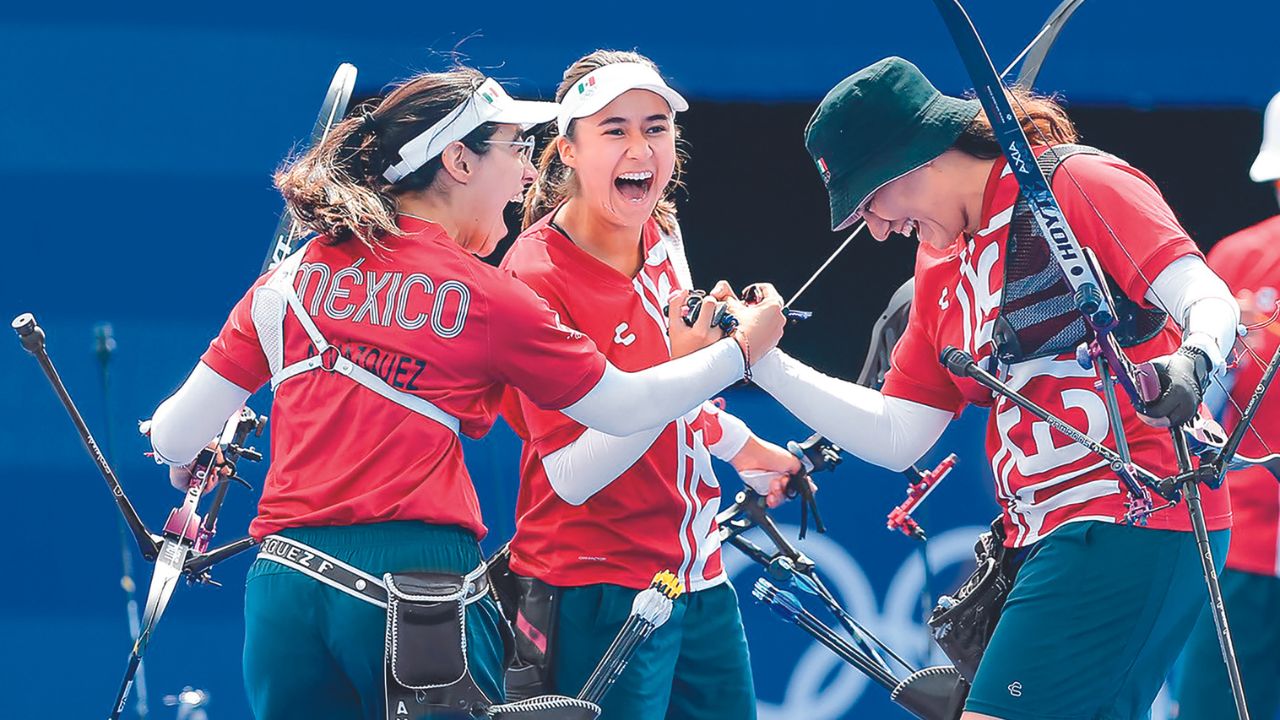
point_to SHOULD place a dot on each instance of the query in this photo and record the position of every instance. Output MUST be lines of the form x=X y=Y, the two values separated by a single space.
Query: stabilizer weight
x=29 y=332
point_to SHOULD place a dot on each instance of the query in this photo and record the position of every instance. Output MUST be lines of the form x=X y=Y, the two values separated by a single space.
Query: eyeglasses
x=526 y=146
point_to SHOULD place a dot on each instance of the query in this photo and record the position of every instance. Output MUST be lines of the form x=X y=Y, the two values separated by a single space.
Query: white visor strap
x=486 y=104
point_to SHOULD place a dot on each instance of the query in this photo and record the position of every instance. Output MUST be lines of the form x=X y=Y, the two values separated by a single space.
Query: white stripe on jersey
x=683 y=453
x=998 y=221
x=696 y=547
x=652 y=307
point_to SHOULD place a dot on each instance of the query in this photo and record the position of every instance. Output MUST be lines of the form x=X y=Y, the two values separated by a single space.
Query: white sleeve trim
x=885 y=431
x=587 y=465
x=185 y=423
x=624 y=403
x=1201 y=304
x=734 y=433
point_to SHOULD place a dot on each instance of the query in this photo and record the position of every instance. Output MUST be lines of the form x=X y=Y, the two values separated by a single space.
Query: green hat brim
x=938 y=125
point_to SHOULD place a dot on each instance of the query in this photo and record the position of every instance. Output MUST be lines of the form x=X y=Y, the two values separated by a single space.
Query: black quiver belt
x=427 y=674
x=962 y=623
x=530 y=605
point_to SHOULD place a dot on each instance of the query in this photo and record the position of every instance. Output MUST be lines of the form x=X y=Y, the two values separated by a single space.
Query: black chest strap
x=1038 y=316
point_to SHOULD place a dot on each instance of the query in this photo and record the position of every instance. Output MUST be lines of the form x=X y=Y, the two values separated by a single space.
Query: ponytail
x=336 y=188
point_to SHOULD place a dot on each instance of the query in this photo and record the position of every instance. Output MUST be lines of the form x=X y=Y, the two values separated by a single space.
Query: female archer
x=597 y=515
x=386 y=339
x=1099 y=609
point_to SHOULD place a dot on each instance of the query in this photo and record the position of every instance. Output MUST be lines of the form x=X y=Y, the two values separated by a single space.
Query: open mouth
x=634 y=186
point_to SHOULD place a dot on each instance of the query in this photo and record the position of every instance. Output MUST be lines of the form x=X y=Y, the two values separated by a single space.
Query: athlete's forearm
x=185 y=423
x=886 y=431
x=1200 y=303
x=624 y=403
x=587 y=465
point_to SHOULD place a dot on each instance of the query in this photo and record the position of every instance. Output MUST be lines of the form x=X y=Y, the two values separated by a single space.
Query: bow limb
x=1091 y=293
x=1036 y=52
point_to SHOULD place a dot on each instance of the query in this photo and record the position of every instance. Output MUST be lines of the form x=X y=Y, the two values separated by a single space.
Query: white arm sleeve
x=886 y=431
x=587 y=465
x=624 y=403
x=1201 y=304
x=736 y=433
x=185 y=423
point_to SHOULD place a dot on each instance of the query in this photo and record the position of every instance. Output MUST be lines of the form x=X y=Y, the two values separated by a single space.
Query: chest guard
x=1038 y=315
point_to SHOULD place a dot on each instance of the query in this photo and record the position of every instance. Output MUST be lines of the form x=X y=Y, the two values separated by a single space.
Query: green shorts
x=693 y=667
x=1096 y=617
x=1201 y=690
x=312 y=651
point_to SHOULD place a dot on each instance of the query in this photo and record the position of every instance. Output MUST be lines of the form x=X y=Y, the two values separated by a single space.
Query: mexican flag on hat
x=877 y=125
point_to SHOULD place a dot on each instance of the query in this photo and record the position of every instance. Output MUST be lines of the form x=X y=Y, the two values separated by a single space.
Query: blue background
x=136 y=190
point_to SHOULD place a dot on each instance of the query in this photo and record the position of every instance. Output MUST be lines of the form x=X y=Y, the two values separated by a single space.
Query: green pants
x=1096 y=618
x=312 y=651
x=1253 y=612
x=695 y=666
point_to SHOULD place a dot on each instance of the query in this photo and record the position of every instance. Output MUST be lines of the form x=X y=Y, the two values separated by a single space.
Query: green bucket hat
x=877 y=125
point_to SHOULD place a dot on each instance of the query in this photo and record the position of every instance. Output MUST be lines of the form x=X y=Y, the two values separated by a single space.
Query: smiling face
x=499 y=176
x=926 y=202
x=623 y=157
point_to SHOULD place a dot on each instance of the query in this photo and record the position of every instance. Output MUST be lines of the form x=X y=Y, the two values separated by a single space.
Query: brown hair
x=336 y=188
x=1042 y=118
x=556 y=182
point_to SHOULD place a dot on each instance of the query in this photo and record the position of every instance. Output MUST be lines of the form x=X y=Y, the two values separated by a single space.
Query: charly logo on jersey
x=821 y=686
x=622 y=334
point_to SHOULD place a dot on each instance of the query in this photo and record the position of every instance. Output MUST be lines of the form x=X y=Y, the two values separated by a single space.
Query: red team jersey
x=1249 y=262
x=429 y=319
x=660 y=513
x=1043 y=479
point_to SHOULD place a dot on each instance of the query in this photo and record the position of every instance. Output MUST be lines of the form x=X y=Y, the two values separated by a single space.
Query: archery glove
x=1183 y=377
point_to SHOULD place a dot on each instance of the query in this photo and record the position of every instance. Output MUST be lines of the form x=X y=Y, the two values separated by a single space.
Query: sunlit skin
x=939 y=202
x=471 y=190
x=633 y=134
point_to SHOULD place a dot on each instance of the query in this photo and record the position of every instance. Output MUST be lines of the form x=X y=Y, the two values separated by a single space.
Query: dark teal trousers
x=311 y=651
x=1201 y=690
x=1096 y=618
x=694 y=667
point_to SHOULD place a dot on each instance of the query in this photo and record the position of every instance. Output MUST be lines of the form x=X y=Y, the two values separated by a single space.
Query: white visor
x=602 y=85
x=1267 y=165
x=488 y=104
